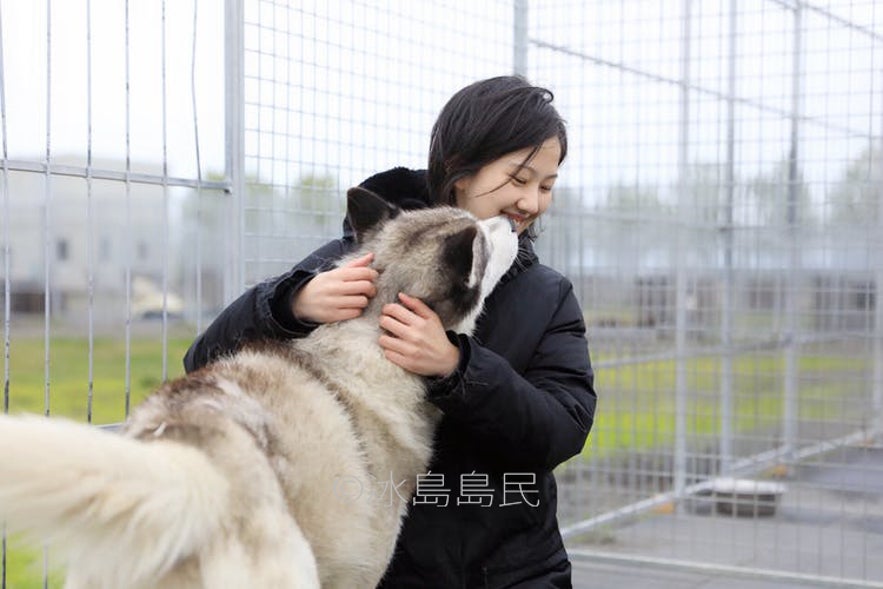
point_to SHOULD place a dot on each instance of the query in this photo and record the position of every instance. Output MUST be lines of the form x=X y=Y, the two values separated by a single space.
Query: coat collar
x=525 y=258
x=405 y=188
x=400 y=186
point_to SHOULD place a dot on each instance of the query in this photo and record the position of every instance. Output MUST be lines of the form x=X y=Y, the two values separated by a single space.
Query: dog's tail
x=127 y=510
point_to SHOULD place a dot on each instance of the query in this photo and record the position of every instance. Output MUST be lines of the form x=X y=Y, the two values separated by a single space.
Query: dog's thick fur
x=286 y=465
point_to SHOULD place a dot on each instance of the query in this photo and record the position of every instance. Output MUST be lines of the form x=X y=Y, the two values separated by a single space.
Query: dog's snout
x=499 y=222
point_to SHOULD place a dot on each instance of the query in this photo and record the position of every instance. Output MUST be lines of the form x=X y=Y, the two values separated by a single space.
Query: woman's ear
x=462 y=184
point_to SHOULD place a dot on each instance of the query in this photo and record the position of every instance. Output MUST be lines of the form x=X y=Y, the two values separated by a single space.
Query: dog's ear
x=458 y=251
x=366 y=210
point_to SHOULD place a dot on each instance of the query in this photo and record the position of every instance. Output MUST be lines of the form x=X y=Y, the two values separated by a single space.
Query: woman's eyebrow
x=518 y=166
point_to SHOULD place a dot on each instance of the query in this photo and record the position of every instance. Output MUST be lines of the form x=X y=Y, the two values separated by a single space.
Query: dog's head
x=443 y=256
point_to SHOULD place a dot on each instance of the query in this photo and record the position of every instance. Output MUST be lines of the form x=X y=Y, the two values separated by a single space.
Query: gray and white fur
x=286 y=465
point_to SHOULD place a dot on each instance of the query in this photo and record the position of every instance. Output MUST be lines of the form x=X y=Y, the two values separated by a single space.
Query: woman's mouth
x=519 y=222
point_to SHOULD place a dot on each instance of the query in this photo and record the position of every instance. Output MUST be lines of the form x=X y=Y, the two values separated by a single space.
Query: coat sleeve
x=263 y=311
x=531 y=421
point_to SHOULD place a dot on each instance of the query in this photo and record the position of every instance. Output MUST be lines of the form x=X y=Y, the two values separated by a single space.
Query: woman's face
x=506 y=187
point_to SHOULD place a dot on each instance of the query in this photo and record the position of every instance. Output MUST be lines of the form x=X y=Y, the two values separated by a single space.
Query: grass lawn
x=636 y=403
x=68 y=396
x=24 y=567
x=68 y=388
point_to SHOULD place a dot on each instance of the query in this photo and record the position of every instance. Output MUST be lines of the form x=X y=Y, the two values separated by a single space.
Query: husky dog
x=274 y=467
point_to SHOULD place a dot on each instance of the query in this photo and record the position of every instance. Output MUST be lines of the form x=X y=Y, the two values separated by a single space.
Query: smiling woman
x=495 y=150
x=518 y=185
x=500 y=139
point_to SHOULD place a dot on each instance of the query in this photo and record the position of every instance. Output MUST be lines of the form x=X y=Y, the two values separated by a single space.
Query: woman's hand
x=338 y=294
x=415 y=339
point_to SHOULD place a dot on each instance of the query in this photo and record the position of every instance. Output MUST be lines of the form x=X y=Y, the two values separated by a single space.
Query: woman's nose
x=529 y=202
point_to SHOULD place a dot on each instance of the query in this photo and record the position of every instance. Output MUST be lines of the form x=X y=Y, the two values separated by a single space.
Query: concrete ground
x=827 y=531
x=589 y=574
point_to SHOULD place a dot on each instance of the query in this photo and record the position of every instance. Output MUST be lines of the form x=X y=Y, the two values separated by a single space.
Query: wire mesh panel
x=720 y=215
x=112 y=252
x=722 y=219
x=337 y=91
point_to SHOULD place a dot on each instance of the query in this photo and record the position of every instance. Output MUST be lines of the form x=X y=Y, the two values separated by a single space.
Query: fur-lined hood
x=403 y=187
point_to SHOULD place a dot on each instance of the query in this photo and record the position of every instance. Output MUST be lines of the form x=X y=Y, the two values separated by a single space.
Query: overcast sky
x=361 y=84
x=28 y=39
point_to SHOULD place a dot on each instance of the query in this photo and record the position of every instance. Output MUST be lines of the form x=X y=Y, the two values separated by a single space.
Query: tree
x=855 y=198
x=638 y=228
x=769 y=197
x=704 y=188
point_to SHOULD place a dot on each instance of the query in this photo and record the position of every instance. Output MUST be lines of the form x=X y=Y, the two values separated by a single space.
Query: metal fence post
x=792 y=345
x=7 y=250
x=727 y=401
x=234 y=117
x=680 y=447
x=877 y=179
x=519 y=39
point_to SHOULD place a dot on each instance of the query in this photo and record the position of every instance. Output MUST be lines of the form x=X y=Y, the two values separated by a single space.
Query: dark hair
x=483 y=122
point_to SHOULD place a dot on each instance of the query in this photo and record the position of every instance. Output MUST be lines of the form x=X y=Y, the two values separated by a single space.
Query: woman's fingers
x=363 y=285
x=362 y=261
x=338 y=294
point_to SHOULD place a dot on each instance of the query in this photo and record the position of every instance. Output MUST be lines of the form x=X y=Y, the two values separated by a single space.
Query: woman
x=517 y=396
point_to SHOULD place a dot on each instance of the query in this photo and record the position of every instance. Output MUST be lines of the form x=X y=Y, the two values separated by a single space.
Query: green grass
x=24 y=567
x=636 y=403
x=68 y=388
x=68 y=396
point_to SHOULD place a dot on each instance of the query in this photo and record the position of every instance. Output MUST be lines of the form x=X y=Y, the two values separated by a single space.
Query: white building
x=81 y=239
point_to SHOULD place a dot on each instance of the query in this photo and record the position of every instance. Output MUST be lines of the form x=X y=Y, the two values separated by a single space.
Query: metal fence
x=727 y=218
x=720 y=215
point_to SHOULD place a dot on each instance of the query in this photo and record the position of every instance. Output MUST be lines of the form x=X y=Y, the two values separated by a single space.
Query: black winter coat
x=520 y=403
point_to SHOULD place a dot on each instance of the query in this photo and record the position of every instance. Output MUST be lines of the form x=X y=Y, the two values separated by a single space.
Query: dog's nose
x=499 y=220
